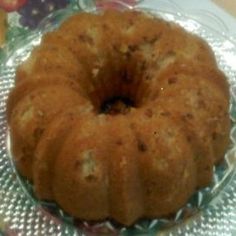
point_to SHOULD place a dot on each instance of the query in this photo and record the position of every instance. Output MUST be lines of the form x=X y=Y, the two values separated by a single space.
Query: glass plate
x=211 y=211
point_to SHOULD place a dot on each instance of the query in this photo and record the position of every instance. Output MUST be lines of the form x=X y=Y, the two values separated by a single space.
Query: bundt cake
x=119 y=115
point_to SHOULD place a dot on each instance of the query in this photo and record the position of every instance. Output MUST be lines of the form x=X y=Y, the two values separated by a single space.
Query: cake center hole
x=116 y=105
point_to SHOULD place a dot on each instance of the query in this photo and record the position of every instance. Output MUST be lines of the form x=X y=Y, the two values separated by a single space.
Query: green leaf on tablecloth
x=2 y=55
x=16 y=32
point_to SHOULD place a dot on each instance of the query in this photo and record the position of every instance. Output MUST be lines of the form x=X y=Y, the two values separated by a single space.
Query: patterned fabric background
x=19 y=17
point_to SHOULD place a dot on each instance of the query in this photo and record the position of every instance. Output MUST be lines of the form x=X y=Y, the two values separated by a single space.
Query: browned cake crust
x=119 y=115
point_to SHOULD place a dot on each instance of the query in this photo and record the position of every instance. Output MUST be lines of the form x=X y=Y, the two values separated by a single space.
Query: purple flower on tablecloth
x=35 y=10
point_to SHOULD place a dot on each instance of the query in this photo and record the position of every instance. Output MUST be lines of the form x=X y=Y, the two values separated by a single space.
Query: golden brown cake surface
x=119 y=115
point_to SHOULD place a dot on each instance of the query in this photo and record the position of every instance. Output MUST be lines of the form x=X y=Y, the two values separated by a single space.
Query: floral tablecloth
x=20 y=17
